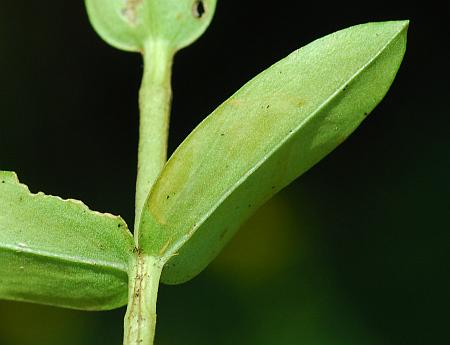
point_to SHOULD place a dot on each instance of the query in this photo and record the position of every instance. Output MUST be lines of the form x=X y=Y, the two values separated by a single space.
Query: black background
x=354 y=252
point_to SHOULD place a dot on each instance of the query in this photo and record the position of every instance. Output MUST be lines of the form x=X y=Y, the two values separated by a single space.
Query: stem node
x=140 y=318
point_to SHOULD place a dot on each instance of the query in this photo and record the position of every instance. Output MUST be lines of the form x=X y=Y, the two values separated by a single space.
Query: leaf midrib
x=74 y=260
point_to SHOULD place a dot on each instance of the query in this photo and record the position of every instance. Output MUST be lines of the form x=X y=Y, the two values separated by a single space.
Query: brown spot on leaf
x=130 y=10
x=234 y=101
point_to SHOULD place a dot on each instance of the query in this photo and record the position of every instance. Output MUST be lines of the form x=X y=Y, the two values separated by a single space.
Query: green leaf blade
x=130 y=24
x=46 y=280
x=58 y=252
x=267 y=134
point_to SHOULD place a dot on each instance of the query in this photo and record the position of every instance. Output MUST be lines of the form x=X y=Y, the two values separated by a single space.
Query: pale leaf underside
x=58 y=252
x=267 y=134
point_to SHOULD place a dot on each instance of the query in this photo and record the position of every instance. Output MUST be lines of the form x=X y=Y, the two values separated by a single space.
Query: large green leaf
x=267 y=134
x=131 y=24
x=58 y=252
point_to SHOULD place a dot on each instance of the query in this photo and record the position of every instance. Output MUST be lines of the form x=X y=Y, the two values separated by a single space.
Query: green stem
x=140 y=318
x=154 y=104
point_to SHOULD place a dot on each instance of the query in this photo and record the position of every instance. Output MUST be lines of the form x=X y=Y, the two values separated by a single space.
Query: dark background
x=354 y=252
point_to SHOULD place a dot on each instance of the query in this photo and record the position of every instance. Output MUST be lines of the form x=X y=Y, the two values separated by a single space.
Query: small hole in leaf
x=198 y=9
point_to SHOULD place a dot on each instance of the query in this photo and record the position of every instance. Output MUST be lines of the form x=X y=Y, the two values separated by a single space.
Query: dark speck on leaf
x=224 y=232
x=167 y=197
x=3 y=181
x=118 y=225
x=198 y=9
x=222 y=134
x=268 y=106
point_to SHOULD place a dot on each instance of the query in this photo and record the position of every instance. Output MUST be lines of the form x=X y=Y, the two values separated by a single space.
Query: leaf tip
x=402 y=25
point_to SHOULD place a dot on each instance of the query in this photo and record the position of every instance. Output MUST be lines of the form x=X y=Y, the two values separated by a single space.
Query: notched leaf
x=8 y=176
x=59 y=252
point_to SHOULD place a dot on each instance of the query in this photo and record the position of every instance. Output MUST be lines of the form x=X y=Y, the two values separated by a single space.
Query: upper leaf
x=130 y=24
x=268 y=133
x=58 y=252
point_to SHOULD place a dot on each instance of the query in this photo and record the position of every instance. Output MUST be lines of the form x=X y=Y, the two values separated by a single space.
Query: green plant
x=267 y=134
